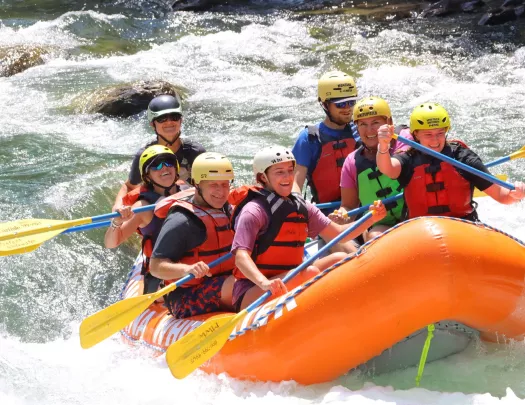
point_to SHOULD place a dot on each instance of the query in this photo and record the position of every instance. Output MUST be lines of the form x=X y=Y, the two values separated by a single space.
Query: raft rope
x=258 y=322
x=424 y=353
x=262 y=320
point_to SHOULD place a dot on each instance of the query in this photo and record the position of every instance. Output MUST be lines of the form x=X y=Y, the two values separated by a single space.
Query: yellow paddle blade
x=25 y=244
x=478 y=193
x=518 y=154
x=201 y=344
x=27 y=227
x=104 y=323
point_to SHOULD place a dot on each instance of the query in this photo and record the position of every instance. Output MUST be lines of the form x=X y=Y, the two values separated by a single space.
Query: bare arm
x=299 y=179
x=165 y=269
x=505 y=196
x=385 y=163
x=129 y=224
x=244 y=262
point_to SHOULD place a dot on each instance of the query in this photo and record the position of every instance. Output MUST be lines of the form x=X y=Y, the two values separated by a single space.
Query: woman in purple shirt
x=271 y=226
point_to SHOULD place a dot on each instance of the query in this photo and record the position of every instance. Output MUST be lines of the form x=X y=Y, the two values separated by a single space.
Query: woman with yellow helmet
x=159 y=170
x=361 y=182
x=197 y=231
x=434 y=187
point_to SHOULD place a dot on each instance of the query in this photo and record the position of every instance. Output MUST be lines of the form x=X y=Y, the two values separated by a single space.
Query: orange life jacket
x=219 y=235
x=325 y=179
x=281 y=247
x=439 y=189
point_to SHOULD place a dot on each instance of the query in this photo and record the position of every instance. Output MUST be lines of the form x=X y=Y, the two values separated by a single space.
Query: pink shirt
x=253 y=221
x=349 y=173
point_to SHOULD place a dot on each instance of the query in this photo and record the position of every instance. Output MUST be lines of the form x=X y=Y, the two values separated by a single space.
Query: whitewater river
x=251 y=81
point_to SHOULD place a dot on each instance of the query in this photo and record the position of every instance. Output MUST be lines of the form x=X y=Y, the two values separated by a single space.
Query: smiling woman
x=433 y=186
x=159 y=170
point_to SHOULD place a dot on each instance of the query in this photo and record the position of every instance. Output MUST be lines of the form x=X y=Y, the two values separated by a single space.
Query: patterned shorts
x=198 y=299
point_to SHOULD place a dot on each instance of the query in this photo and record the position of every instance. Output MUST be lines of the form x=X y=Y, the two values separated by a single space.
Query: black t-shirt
x=464 y=155
x=185 y=155
x=181 y=232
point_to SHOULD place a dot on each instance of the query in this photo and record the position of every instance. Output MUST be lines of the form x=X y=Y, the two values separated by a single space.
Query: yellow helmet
x=429 y=116
x=371 y=107
x=156 y=153
x=211 y=166
x=337 y=85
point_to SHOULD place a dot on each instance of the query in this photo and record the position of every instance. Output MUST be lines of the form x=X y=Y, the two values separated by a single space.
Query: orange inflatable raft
x=422 y=271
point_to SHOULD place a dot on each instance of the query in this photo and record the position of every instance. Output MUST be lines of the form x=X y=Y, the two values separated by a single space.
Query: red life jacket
x=325 y=179
x=219 y=235
x=281 y=247
x=439 y=189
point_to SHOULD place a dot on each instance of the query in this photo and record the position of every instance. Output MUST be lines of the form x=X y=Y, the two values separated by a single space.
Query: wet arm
x=299 y=179
x=244 y=262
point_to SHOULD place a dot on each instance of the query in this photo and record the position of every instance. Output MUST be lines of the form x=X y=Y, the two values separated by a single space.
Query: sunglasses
x=343 y=104
x=172 y=117
x=159 y=166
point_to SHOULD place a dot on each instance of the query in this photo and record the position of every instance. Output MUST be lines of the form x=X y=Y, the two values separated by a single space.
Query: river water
x=251 y=80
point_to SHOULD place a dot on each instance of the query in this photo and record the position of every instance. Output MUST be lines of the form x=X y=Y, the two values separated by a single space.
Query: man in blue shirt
x=320 y=150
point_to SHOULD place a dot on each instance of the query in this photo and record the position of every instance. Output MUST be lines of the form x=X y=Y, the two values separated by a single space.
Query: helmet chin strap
x=165 y=140
x=166 y=189
x=371 y=150
x=199 y=192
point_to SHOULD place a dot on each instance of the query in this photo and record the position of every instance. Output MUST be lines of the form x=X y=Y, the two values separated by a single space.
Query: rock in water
x=125 y=100
x=16 y=59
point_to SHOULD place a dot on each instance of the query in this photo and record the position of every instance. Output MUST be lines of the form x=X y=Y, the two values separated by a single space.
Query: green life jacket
x=373 y=185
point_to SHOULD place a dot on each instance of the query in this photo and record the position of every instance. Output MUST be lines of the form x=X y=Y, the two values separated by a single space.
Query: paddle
x=28 y=234
x=519 y=154
x=455 y=163
x=104 y=323
x=202 y=343
x=357 y=211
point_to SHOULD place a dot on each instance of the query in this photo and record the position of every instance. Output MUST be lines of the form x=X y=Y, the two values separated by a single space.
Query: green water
x=252 y=82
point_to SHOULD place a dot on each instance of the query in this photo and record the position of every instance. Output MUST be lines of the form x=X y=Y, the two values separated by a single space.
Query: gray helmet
x=164 y=104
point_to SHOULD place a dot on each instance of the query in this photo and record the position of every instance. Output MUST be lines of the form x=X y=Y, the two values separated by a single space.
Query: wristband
x=115 y=225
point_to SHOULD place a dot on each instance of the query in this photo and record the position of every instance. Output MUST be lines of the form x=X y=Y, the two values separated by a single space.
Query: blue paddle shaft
x=95 y=225
x=357 y=211
x=455 y=163
x=115 y=214
x=498 y=161
x=306 y=263
x=87 y=227
x=360 y=210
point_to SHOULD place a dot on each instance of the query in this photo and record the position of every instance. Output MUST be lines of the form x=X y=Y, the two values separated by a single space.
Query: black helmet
x=164 y=104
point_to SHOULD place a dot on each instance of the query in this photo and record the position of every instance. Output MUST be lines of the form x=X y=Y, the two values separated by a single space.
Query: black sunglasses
x=172 y=117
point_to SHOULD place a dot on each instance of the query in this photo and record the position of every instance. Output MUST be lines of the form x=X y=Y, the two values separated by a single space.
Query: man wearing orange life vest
x=271 y=226
x=159 y=170
x=321 y=149
x=197 y=231
x=434 y=187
